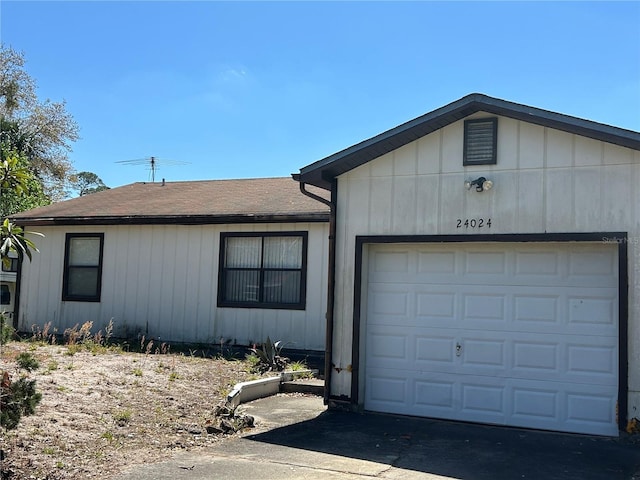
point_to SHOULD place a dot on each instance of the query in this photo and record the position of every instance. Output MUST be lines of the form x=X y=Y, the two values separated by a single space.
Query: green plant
x=27 y=361
x=52 y=365
x=137 y=372
x=269 y=356
x=122 y=417
x=6 y=330
x=297 y=366
x=16 y=399
x=173 y=376
x=48 y=450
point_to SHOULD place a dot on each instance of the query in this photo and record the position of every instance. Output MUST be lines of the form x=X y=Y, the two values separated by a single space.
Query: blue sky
x=261 y=89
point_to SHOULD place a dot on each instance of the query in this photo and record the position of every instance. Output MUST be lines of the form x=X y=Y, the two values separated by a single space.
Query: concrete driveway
x=297 y=438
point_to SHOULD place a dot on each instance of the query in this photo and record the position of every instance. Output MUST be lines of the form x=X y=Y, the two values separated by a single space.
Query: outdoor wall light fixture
x=481 y=184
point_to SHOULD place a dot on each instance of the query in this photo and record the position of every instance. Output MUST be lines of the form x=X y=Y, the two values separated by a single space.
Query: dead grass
x=104 y=410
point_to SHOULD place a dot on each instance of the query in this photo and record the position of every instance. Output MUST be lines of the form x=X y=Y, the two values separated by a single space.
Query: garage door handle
x=458 y=349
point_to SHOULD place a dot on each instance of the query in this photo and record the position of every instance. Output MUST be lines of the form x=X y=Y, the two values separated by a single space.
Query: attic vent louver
x=480 y=141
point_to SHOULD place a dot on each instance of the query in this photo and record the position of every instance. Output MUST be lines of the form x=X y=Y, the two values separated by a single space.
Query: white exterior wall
x=545 y=181
x=162 y=281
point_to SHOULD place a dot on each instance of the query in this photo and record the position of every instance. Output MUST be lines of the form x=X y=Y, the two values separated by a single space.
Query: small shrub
x=6 y=330
x=16 y=399
x=269 y=356
x=27 y=361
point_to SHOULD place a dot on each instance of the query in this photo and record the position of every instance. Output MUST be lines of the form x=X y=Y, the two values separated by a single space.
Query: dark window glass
x=5 y=295
x=83 y=267
x=263 y=270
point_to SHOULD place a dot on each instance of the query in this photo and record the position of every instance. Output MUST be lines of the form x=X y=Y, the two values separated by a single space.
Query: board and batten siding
x=545 y=181
x=161 y=281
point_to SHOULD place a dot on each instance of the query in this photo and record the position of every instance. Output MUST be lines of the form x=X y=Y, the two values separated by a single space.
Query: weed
x=44 y=335
x=49 y=450
x=27 y=361
x=137 y=372
x=122 y=417
x=173 y=376
x=52 y=365
x=73 y=349
x=297 y=366
x=59 y=464
x=6 y=330
x=62 y=388
x=252 y=362
x=108 y=436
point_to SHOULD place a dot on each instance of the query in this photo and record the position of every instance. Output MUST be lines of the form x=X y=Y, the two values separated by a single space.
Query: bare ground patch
x=103 y=412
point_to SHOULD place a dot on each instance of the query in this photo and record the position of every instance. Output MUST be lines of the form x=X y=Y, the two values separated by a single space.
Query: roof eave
x=173 y=219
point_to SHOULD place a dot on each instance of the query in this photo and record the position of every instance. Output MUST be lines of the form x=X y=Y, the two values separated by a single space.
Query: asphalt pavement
x=297 y=437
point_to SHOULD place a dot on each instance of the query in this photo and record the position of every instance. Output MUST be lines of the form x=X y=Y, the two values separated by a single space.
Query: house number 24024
x=473 y=223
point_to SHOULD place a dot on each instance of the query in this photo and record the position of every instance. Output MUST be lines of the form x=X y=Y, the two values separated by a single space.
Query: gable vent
x=480 y=140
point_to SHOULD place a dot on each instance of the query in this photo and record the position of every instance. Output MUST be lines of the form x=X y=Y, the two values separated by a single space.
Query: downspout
x=16 y=300
x=328 y=349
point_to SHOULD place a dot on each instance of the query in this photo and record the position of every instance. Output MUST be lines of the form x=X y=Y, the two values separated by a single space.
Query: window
x=480 y=141
x=83 y=267
x=5 y=295
x=263 y=270
x=13 y=265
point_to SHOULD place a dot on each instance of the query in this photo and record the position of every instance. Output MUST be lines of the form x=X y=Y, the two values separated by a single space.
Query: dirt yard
x=104 y=410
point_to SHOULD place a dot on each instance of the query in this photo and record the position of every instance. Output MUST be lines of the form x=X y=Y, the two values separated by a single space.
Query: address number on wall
x=473 y=223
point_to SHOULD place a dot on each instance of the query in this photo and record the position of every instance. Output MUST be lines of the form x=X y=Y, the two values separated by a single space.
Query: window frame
x=13 y=265
x=465 y=149
x=222 y=302
x=66 y=296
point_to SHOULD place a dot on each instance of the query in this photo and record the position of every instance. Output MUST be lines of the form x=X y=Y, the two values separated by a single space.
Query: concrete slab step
x=313 y=386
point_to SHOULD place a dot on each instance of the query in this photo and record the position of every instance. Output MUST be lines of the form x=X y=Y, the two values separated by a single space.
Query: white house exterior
x=154 y=264
x=513 y=302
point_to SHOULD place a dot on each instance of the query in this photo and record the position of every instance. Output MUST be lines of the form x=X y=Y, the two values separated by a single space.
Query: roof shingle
x=211 y=201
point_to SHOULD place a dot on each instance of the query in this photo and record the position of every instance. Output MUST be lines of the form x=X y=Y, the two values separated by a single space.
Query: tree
x=87 y=182
x=41 y=131
x=30 y=193
x=14 y=179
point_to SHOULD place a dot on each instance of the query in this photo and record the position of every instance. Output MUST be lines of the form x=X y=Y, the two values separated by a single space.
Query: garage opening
x=522 y=334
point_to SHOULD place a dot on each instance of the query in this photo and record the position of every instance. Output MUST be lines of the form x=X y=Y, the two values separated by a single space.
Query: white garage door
x=515 y=334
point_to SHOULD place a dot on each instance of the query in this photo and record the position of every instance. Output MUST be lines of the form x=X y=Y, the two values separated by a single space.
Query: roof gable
x=214 y=201
x=322 y=172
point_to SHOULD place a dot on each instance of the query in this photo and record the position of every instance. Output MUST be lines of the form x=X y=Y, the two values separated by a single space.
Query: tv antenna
x=153 y=164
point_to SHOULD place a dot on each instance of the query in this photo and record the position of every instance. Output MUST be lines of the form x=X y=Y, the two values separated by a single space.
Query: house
x=485 y=267
x=195 y=262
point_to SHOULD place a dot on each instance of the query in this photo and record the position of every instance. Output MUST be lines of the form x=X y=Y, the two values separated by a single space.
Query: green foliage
x=6 y=330
x=16 y=399
x=27 y=361
x=20 y=188
x=269 y=358
x=122 y=417
x=87 y=182
x=42 y=131
x=13 y=239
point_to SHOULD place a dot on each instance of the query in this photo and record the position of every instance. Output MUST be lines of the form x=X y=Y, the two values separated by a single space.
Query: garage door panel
x=597 y=363
x=522 y=335
x=388 y=392
x=593 y=310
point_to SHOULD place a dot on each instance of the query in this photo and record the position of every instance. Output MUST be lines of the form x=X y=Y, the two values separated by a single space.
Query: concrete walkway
x=297 y=438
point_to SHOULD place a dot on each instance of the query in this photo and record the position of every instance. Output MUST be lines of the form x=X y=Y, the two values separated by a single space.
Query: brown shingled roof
x=212 y=201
